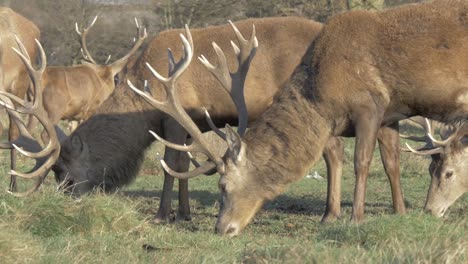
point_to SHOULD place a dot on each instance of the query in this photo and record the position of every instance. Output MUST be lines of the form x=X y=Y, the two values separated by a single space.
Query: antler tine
x=83 y=34
x=213 y=127
x=442 y=143
x=21 y=47
x=424 y=152
x=234 y=82
x=173 y=107
x=142 y=34
x=51 y=152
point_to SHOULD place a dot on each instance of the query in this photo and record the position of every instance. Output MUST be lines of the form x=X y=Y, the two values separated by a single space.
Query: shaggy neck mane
x=289 y=137
x=118 y=138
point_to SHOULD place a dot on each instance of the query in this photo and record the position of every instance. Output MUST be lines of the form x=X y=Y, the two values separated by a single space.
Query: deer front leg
x=333 y=155
x=173 y=132
x=13 y=134
x=366 y=124
x=389 y=145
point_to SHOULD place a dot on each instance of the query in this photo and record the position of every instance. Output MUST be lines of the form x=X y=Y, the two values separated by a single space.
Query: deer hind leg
x=366 y=126
x=333 y=155
x=389 y=145
x=179 y=162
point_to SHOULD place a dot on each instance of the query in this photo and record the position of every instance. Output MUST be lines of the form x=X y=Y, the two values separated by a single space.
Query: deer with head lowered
x=449 y=163
x=14 y=76
x=364 y=71
x=106 y=150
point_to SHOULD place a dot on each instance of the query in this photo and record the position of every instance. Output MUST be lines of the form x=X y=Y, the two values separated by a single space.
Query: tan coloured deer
x=364 y=71
x=449 y=165
x=14 y=77
x=118 y=133
x=73 y=93
x=117 y=151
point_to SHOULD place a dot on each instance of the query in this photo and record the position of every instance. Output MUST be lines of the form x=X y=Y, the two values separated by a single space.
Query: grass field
x=49 y=227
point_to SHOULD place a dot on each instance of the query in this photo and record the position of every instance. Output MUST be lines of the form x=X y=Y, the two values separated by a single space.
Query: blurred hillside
x=114 y=31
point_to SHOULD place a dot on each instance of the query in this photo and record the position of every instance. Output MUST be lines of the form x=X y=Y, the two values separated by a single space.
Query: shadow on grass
x=307 y=205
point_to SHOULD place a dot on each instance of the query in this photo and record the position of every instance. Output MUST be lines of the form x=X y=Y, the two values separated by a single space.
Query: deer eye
x=448 y=174
x=222 y=187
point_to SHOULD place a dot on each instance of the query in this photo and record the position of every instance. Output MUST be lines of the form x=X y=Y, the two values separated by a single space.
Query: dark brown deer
x=364 y=71
x=75 y=165
x=107 y=150
x=14 y=77
x=449 y=164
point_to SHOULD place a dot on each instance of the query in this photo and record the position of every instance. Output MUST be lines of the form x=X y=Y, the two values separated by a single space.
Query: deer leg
x=184 y=207
x=333 y=155
x=366 y=127
x=173 y=133
x=13 y=134
x=389 y=145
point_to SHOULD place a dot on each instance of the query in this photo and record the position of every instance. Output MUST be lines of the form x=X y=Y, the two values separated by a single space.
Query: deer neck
x=288 y=139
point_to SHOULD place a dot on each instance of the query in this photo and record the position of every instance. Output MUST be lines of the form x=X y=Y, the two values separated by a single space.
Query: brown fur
x=75 y=92
x=365 y=69
x=15 y=77
x=114 y=128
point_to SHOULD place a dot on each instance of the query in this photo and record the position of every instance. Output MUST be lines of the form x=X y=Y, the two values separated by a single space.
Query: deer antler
x=141 y=36
x=84 y=47
x=173 y=107
x=50 y=153
x=432 y=146
x=232 y=82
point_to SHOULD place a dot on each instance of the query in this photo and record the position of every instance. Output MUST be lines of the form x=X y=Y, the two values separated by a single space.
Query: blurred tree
x=114 y=30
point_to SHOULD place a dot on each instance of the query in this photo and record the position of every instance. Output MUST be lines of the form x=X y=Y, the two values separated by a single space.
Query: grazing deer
x=106 y=150
x=13 y=76
x=73 y=93
x=449 y=165
x=364 y=71
x=115 y=157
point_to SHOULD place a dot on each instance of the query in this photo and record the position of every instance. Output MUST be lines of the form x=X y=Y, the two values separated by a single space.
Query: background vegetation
x=114 y=31
x=49 y=227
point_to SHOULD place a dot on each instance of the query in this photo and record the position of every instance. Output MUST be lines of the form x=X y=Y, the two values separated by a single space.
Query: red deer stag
x=108 y=148
x=74 y=93
x=284 y=43
x=14 y=77
x=449 y=166
x=118 y=161
x=364 y=71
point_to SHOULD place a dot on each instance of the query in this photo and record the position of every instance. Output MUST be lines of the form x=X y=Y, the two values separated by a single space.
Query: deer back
x=15 y=77
x=283 y=43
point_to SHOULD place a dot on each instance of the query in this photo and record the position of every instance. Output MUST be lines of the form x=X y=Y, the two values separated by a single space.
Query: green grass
x=49 y=227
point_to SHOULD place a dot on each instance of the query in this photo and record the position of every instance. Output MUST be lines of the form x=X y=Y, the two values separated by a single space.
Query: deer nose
x=230 y=230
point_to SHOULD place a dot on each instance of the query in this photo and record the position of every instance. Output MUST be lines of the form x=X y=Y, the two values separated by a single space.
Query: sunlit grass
x=49 y=227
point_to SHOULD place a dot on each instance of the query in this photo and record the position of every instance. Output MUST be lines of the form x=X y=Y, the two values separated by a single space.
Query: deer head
x=449 y=165
x=117 y=66
x=229 y=221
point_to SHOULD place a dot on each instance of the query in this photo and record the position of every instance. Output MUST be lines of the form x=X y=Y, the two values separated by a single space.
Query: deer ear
x=78 y=146
x=234 y=143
